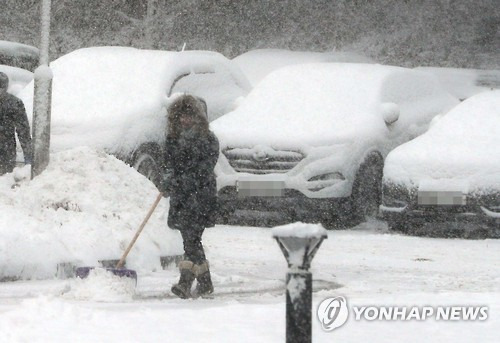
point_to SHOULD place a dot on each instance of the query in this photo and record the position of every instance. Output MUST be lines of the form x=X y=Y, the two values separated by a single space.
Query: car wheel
x=339 y=215
x=397 y=226
x=224 y=213
x=367 y=189
x=223 y=217
x=147 y=162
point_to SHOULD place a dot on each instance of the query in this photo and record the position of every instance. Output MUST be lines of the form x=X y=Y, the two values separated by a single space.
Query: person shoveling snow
x=192 y=151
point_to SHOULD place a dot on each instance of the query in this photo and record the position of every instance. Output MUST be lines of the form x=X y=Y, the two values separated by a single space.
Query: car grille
x=262 y=161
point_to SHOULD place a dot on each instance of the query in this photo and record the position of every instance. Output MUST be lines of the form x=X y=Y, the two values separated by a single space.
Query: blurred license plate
x=261 y=188
x=441 y=198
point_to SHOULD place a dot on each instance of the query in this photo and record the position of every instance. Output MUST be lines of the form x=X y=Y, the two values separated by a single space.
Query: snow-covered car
x=310 y=140
x=18 y=61
x=256 y=64
x=19 y=55
x=447 y=181
x=464 y=83
x=115 y=98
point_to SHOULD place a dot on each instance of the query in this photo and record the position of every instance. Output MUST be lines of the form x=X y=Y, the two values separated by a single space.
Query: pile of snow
x=103 y=94
x=85 y=207
x=256 y=64
x=463 y=146
x=324 y=103
x=464 y=83
x=101 y=286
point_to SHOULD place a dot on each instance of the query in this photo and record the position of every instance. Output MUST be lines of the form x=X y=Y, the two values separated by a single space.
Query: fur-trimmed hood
x=191 y=106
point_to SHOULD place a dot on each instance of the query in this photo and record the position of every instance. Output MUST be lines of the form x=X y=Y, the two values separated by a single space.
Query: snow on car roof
x=464 y=83
x=315 y=102
x=256 y=64
x=463 y=145
x=101 y=92
x=16 y=48
x=19 y=55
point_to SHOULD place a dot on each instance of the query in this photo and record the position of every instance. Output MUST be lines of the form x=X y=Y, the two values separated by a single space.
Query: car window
x=219 y=89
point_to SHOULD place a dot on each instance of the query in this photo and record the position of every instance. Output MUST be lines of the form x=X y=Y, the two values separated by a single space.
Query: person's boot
x=204 y=285
x=183 y=288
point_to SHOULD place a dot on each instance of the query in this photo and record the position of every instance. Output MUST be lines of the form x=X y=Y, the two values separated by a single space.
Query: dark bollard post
x=298 y=307
x=299 y=243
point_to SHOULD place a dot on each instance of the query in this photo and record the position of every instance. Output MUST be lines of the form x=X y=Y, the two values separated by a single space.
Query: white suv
x=310 y=140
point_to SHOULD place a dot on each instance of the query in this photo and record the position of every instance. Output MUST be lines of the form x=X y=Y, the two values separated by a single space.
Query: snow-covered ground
x=366 y=265
x=369 y=266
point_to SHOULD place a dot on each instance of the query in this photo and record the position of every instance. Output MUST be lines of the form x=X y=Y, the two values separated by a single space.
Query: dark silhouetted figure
x=191 y=153
x=13 y=119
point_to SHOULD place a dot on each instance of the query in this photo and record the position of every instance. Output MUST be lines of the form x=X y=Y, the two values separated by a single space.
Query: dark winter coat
x=192 y=186
x=13 y=119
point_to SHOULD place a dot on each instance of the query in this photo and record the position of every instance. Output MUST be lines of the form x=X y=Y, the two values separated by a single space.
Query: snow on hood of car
x=114 y=97
x=328 y=103
x=256 y=64
x=461 y=146
x=18 y=78
x=86 y=206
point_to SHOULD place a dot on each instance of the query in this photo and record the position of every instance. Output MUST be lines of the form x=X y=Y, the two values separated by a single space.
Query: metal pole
x=298 y=306
x=151 y=10
x=42 y=98
x=45 y=32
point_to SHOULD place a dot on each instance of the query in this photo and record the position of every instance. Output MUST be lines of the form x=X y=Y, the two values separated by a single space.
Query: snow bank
x=463 y=146
x=256 y=64
x=101 y=286
x=85 y=207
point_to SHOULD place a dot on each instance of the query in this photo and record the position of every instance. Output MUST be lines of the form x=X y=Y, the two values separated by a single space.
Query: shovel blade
x=83 y=272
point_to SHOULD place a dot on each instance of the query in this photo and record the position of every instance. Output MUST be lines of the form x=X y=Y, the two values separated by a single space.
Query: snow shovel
x=118 y=270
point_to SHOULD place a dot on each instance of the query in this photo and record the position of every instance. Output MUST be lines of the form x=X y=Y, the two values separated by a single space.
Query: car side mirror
x=390 y=112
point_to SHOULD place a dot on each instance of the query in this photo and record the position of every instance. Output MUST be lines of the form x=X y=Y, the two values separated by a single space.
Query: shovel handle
x=131 y=244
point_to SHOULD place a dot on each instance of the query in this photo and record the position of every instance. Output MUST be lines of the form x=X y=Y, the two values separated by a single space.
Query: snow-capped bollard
x=299 y=243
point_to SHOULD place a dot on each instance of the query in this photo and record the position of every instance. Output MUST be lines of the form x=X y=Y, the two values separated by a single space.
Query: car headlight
x=490 y=204
x=328 y=176
x=318 y=182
